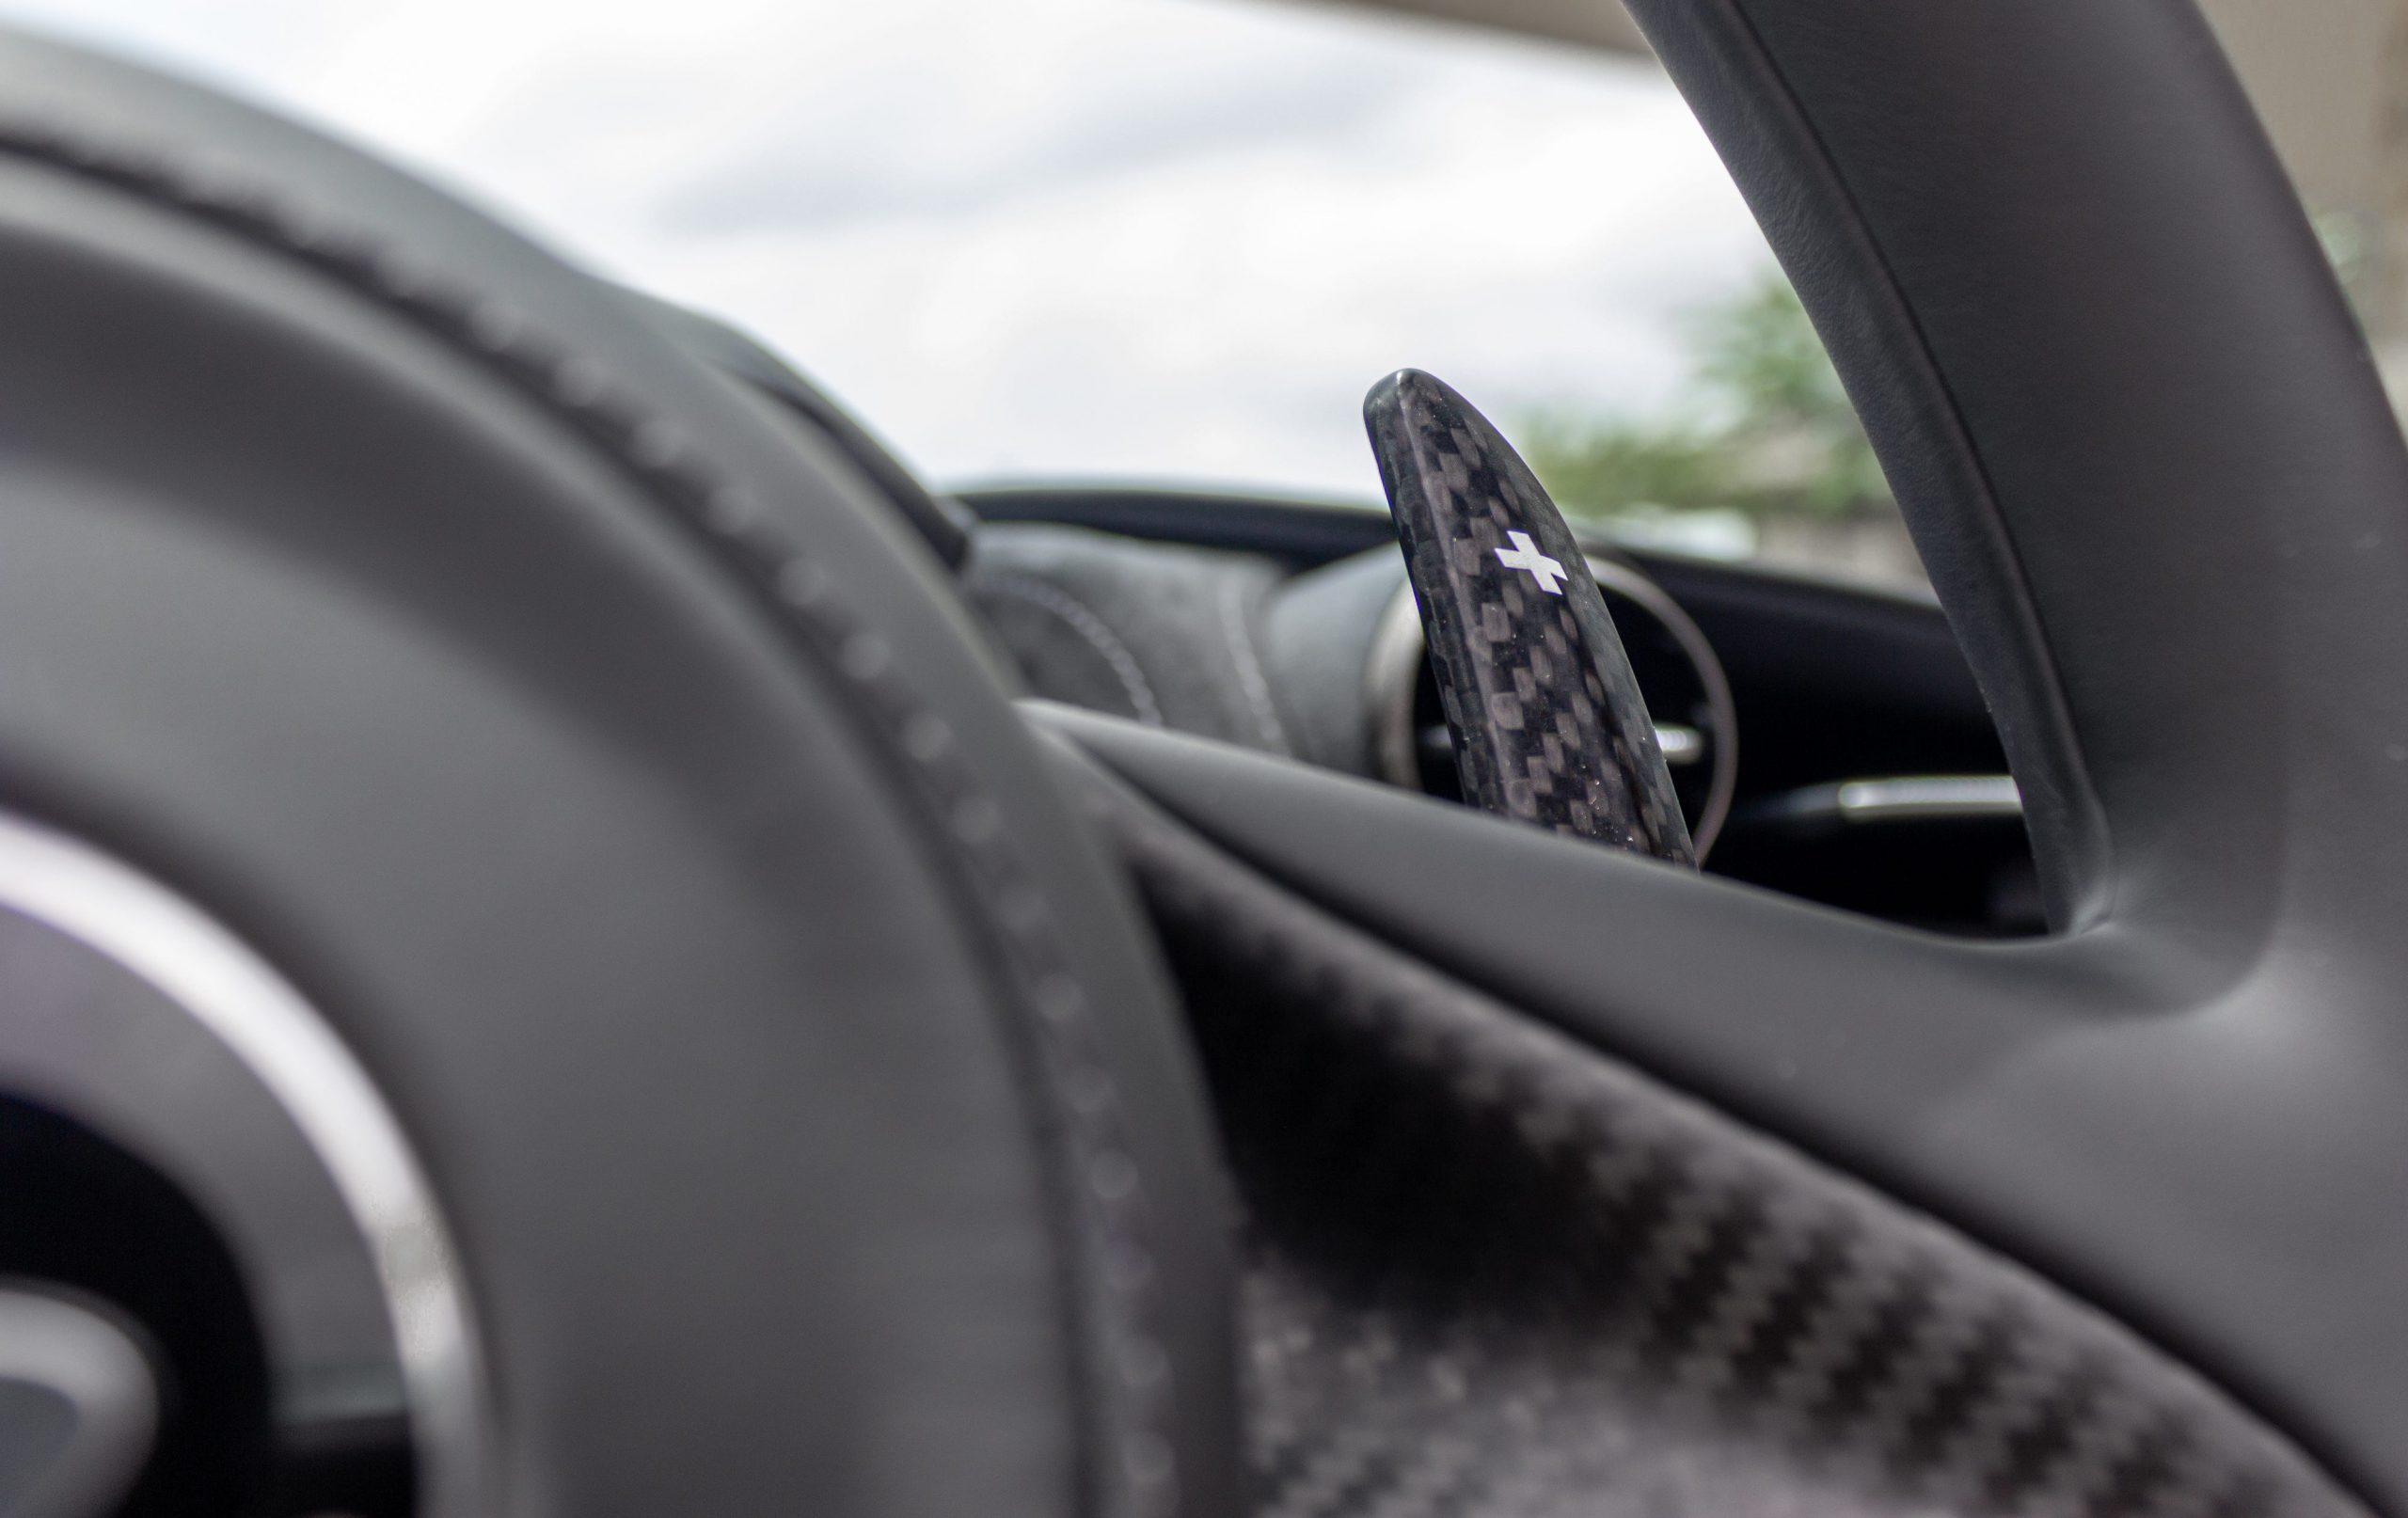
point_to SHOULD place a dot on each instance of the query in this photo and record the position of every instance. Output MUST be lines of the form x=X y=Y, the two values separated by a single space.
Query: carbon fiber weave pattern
x=1493 y=1275
x=1549 y=722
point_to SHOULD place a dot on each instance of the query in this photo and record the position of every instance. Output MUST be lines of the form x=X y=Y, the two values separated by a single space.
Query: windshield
x=1169 y=241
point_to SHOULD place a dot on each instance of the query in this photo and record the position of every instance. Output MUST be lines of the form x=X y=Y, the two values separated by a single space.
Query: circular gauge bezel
x=1400 y=653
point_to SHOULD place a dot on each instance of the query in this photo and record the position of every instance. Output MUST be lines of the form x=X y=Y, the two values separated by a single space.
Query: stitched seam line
x=1249 y=668
x=1084 y=1100
x=1084 y=621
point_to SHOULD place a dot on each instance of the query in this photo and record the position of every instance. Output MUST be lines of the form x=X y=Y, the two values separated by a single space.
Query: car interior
x=575 y=938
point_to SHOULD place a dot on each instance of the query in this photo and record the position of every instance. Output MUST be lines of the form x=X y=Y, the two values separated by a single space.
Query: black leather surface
x=621 y=780
x=942 y=524
x=2147 y=457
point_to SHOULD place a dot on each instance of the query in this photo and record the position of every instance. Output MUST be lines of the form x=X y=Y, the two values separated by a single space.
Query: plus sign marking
x=1524 y=555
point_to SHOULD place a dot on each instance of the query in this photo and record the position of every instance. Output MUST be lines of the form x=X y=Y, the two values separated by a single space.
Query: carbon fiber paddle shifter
x=1547 y=720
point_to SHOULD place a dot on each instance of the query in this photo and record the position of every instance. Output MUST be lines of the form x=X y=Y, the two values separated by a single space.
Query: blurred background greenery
x=1761 y=453
x=1765 y=431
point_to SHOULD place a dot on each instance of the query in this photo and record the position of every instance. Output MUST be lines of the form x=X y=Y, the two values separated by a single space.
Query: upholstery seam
x=1257 y=689
x=1088 y=624
x=1105 y=1187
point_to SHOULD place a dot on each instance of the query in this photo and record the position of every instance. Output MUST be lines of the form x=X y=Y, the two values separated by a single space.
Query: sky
x=1137 y=239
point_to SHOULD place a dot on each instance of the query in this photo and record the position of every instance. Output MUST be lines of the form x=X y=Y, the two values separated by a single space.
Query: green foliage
x=2348 y=248
x=1761 y=351
x=1600 y=467
x=1766 y=429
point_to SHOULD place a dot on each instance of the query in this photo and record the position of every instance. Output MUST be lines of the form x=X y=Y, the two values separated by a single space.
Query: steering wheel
x=515 y=832
x=518 y=861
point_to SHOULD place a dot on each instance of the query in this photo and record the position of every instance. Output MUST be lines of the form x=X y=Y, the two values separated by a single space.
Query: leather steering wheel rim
x=631 y=797
x=2147 y=457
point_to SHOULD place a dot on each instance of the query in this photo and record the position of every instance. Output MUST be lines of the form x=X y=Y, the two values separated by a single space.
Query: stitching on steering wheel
x=1079 y=1085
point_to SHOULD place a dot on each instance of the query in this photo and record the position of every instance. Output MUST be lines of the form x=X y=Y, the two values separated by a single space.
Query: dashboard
x=1828 y=741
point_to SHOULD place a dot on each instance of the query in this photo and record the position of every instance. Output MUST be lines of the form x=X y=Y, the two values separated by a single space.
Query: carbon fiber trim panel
x=1548 y=723
x=1495 y=1275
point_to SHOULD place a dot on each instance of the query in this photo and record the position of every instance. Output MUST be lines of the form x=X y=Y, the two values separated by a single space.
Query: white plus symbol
x=1524 y=555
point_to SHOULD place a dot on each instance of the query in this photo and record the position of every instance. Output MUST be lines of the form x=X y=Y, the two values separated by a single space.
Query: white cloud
x=1164 y=238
